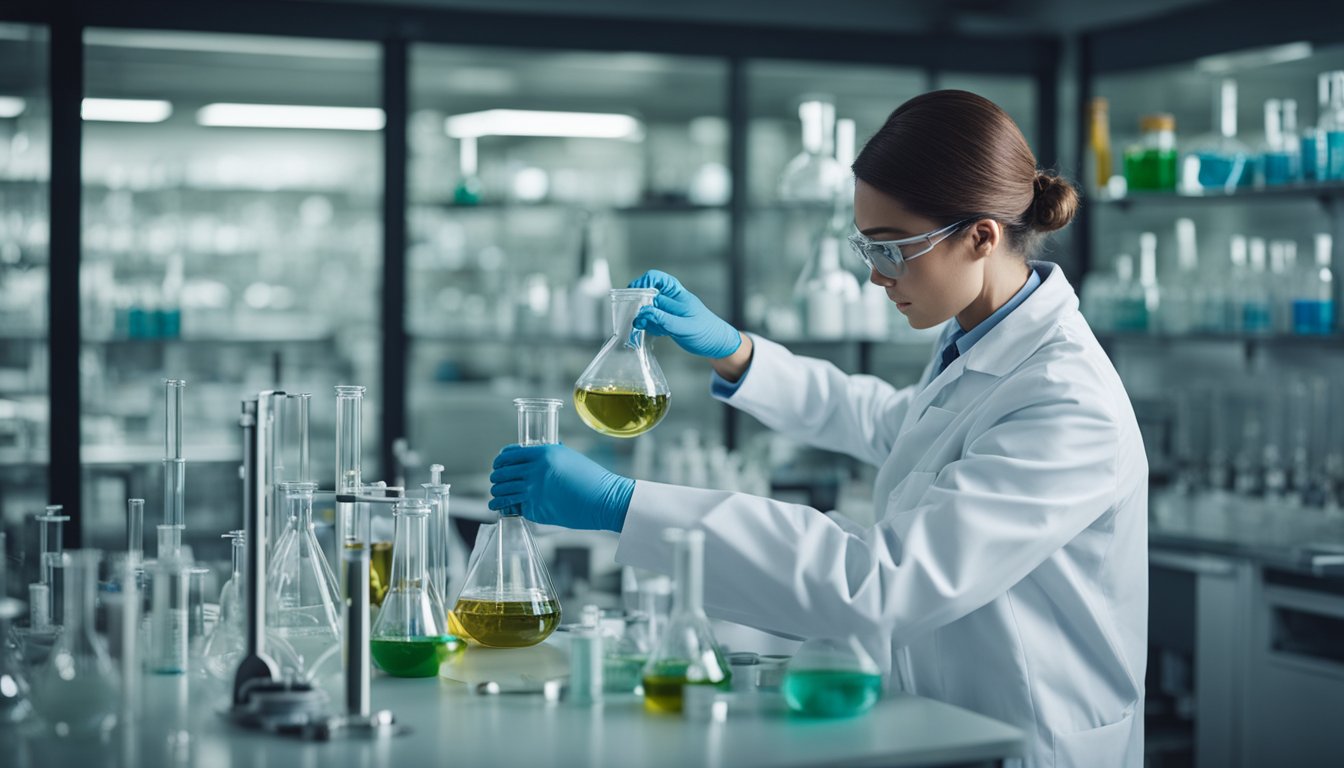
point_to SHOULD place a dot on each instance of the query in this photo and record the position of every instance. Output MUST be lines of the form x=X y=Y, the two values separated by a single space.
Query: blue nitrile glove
x=557 y=485
x=678 y=313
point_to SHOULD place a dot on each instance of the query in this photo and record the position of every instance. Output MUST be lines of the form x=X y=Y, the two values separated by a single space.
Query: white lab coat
x=1007 y=572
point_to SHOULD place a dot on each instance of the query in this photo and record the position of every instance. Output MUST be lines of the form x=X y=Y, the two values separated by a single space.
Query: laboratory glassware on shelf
x=1331 y=132
x=623 y=392
x=410 y=636
x=1151 y=164
x=46 y=595
x=507 y=600
x=1100 y=158
x=1219 y=162
x=814 y=175
x=15 y=694
x=1280 y=158
x=687 y=653
x=304 y=605
x=832 y=677
x=825 y=293
x=78 y=691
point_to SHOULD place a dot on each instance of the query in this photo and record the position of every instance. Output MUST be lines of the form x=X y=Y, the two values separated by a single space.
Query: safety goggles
x=888 y=257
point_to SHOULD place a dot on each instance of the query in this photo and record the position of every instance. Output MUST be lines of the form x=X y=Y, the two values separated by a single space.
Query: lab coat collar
x=1023 y=331
x=1013 y=340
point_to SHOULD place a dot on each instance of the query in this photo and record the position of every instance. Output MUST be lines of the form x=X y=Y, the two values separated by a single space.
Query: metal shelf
x=653 y=207
x=1324 y=192
x=1136 y=337
x=317 y=338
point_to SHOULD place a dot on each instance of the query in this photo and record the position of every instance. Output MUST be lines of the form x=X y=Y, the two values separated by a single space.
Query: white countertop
x=452 y=727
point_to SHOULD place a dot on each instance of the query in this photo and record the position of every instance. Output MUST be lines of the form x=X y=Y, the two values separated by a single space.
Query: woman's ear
x=985 y=236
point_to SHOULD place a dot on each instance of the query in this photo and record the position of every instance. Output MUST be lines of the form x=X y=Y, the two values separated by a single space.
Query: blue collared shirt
x=966 y=339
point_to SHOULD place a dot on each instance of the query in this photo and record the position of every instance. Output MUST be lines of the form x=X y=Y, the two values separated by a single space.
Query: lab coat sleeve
x=814 y=402
x=1029 y=482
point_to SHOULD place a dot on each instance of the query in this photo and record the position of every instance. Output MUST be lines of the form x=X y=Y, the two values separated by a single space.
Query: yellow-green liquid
x=508 y=624
x=413 y=656
x=620 y=412
x=663 y=686
x=380 y=571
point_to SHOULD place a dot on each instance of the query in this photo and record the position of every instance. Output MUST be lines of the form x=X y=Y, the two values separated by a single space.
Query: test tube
x=440 y=531
x=168 y=617
x=174 y=466
x=196 y=611
x=51 y=545
x=538 y=420
x=349 y=404
x=135 y=530
x=297 y=440
x=355 y=563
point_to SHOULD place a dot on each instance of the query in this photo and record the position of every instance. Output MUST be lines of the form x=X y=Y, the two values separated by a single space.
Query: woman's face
x=936 y=285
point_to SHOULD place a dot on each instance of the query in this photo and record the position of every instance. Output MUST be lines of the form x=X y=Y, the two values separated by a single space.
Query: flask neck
x=409 y=566
x=239 y=557
x=690 y=573
x=81 y=575
x=623 y=311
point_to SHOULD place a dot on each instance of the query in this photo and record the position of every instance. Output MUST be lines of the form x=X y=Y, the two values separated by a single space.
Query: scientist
x=1007 y=570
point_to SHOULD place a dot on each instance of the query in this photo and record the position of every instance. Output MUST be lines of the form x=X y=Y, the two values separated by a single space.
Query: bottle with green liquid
x=410 y=637
x=832 y=677
x=687 y=653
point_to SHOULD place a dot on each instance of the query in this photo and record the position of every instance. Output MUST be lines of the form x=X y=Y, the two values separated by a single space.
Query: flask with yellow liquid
x=623 y=392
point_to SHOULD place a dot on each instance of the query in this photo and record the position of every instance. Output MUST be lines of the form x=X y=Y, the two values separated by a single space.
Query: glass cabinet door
x=24 y=194
x=231 y=238
x=539 y=180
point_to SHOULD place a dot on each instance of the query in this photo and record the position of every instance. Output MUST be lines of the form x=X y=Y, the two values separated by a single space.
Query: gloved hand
x=557 y=485
x=678 y=313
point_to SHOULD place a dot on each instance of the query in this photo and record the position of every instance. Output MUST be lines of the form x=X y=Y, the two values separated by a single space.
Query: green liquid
x=511 y=624
x=620 y=412
x=1151 y=169
x=414 y=656
x=663 y=688
x=831 y=693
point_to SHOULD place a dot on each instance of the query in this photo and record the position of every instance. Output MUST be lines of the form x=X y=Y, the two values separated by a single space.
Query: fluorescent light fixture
x=210 y=42
x=11 y=106
x=1254 y=57
x=291 y=116
x=126 y=110
x=522 y=122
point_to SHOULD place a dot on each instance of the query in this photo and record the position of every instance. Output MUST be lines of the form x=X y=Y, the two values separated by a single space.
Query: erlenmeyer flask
x=78 y=691
x=410 y=637
x=623 y=391
x=226 y=643
x=507 y=600
x=304 y=602
x=687 y=653
x=832 y=677
x=814 y=175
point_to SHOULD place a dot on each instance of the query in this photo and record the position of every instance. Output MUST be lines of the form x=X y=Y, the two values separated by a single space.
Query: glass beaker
x=623 y=392
x=77 y=692
x=507 y=600
x=410 y=637
x=687 y=653
x=304 y=605
x=832 y=677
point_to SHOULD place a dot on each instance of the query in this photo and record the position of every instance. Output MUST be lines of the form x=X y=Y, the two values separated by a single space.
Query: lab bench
x=1246 y=630
x=449 y=725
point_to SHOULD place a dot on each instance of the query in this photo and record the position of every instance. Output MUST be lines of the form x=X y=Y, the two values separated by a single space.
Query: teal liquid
x=831 y=693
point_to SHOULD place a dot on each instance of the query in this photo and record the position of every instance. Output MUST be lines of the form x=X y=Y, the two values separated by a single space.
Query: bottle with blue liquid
x=1223 y=162
x=1313 y=143
x=1257 y=313
x=1280 y=160
x=1314 y=305
x=1332 y=130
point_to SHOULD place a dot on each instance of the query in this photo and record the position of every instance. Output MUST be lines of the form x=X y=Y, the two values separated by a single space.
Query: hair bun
x=1054 y=204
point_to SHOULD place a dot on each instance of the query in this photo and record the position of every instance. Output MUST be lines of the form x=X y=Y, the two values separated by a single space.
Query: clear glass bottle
x=443 y=551
x=78 y=692
x=1257 y=312
x=507 y=600
x=1181 y=296
x=304 y=606
x=825 y=292
x=226 y=644
x=1313 y=143
x=814 y=175
x=623 y=392
x=1151 y=164
x=1131 y=306
x=1314 y=305
x=832 y=677
x=1332 y=130
x=687 y=653
x=1099 y=156
x=1148 y=285
x=1221 y=162
x=410 y=636
x=1278 y=158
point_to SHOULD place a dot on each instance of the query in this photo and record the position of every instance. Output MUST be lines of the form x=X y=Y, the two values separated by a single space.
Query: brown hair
x=952 y=155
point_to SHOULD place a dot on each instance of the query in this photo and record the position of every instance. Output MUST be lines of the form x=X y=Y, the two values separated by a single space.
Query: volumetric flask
x=507 y=600
x=410 y=637
x=623 y=392
x=832 y=678
x=687 y=653
x=77 y=692
x=304 y=601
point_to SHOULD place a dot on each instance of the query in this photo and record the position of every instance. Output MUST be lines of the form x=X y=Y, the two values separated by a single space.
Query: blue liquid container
x=170 y=323
x=1310 y=164
x=1313 y=317
x=1219 y=171
x=138 y=325
x=1334 y=148
x=1256 y=317
x=1279 y=168
x=831 y=692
